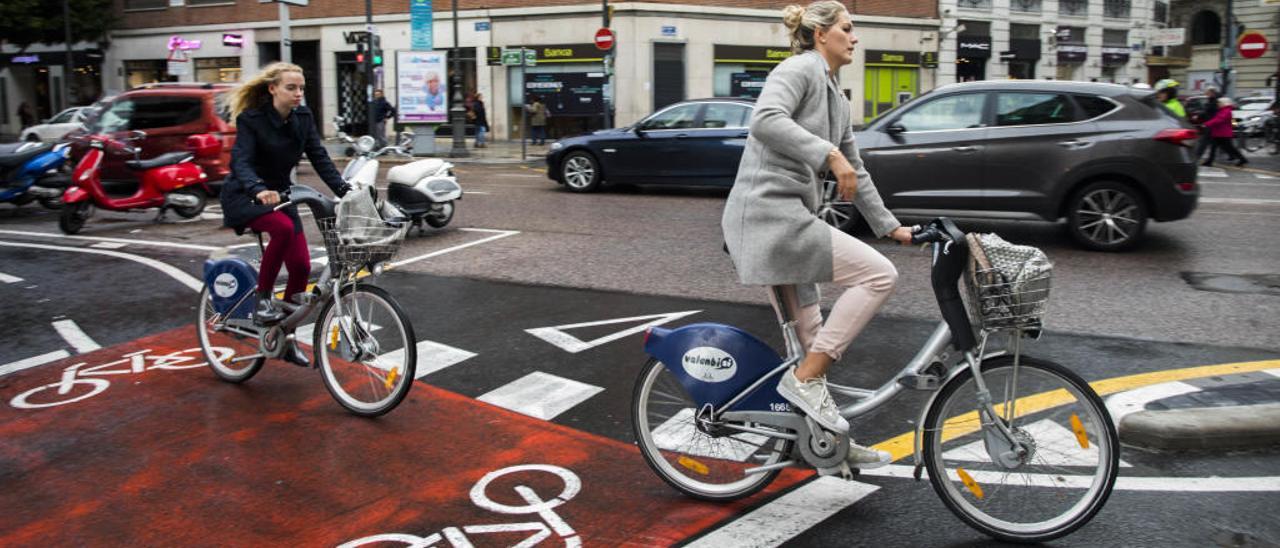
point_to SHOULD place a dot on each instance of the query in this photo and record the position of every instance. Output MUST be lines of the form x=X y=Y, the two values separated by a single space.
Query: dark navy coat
x=267 y=148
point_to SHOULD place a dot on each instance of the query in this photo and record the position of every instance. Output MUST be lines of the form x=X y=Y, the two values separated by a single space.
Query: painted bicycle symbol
x=79 y=382
x=539 y=530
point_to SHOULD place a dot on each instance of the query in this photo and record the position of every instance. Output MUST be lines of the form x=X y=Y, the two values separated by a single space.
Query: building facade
x=1197 y=62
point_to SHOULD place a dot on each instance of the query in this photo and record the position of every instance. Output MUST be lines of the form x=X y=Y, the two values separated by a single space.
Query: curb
x=1235 y=427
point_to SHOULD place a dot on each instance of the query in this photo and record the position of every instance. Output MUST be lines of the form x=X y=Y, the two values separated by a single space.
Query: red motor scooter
x=168 y=181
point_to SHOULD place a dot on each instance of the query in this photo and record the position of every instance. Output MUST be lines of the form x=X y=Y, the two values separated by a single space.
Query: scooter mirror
x=136 y=135
x=406 y=139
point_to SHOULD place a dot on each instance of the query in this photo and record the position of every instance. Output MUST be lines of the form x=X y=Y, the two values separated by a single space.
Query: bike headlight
x=556 y=146
x=365 y=144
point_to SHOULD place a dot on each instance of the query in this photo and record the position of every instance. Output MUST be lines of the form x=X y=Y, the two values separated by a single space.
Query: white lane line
x=75 y=336
x=1263 y=176
x=500 y=234
x=9 y=279
x=1233 y=183
x=788 y=515
x=541 y=395
x=28 y=363
x=470 y=192
x=109 y=245
x=1133 y=401
x=1123 y=483
x=571 y=344
x=154 y=243
x=173 y=272
x=1272 y=372
x=1212 y=172
x=432 y=357
x=1250 y=201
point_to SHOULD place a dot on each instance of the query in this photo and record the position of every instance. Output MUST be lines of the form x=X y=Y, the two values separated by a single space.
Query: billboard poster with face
x=422 y=88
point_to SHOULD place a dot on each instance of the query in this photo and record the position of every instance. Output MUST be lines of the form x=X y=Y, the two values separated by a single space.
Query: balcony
x=1073 y=8
x=1116 y=9
x=1025 y=6
x=976 y=5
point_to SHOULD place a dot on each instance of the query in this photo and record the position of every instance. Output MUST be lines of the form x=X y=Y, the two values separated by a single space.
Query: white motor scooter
x=423 y=190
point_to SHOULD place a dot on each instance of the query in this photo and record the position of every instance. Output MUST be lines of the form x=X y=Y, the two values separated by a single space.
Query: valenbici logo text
x=709 y=364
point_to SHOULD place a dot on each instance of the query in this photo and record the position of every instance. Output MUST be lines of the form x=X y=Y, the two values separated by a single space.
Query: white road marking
x=541 y=395
x=1132 y=401
x=1055 y=446
x=173 y=272
x=1272 y=372
x=75 y=336
x=556 y=335
x=28 y=363
x=470 y=192
x=9 y=279
x=1123 y=483
x=154 y=243
x=1264 y=176
x=109 y=245
x=675 y=433
x=1212 y=172
x=788 y=515
x=1249 y=201
x=432 y=357
x=1234 y=183
x=499 y=235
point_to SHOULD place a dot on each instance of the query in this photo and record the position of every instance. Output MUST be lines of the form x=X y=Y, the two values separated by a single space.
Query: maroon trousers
x=286 y=247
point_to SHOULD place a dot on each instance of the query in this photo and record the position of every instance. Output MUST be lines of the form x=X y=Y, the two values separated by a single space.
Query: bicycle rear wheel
x=368 y=354
x=237 y=365
x=697 y=463
x=1057 y=486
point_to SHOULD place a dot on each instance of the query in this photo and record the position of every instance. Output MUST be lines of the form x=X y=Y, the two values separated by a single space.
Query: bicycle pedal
x=920 y=382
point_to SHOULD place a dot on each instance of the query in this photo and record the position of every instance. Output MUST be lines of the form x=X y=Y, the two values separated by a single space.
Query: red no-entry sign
x=604 y=39
x=1251 y=45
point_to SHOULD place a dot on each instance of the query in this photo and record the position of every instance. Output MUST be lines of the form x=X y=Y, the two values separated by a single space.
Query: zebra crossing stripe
x=541 y=395
x=788 y=515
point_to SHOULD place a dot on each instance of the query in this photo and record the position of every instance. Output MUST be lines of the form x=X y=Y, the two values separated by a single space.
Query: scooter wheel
x=73 y=217
x=51 y=203
x=439 y=220
x=195 y=210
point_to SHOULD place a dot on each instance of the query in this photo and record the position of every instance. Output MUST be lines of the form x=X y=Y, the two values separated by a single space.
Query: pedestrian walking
x=480 y=118
x=26 y=115
x=538 y=120
x=1210 y=109
x=382 y=111
x=801 y=132
x=1223 y=134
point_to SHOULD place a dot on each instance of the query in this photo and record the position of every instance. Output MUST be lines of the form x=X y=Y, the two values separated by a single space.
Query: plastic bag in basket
x=1011 y=281
x=360 y=219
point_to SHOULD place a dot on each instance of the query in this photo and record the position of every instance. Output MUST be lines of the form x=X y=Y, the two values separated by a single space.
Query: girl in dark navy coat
x=273 y=131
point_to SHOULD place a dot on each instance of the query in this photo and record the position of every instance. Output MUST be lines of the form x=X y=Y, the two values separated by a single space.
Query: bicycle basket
x=354 y=242
x=1008 y=285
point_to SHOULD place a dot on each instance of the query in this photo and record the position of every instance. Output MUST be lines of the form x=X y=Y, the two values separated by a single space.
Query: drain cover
x=1265 y=284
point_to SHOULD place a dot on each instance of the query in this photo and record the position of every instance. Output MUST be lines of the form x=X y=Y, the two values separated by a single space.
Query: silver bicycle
x=1019 y=448
x=362 y=343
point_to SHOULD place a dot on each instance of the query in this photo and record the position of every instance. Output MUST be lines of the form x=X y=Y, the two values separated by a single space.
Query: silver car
x=1104 y=157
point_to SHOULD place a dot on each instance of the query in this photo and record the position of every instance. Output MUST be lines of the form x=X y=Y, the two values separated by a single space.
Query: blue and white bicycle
x=1019 y=448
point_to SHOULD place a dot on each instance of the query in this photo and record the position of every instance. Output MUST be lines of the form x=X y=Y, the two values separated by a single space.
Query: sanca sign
x=177 y=42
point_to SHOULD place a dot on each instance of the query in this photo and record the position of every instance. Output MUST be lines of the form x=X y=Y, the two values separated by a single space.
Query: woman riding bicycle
x=273 y=131
x=800 y=133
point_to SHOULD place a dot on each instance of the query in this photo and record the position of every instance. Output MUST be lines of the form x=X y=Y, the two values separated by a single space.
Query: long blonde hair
x=255 y=92
x=802 y=21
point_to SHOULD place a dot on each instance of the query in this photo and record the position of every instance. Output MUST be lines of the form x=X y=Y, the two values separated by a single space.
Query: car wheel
x=1107 y=216
x=580 y=172
x=838 y=213
x=32 y=138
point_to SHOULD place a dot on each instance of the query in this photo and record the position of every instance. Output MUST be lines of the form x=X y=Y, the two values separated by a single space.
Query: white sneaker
x=865 y=458
x=813 y=399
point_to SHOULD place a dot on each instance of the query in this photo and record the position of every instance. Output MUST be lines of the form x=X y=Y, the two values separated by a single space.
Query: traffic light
x=359 y=52
x=376 y=50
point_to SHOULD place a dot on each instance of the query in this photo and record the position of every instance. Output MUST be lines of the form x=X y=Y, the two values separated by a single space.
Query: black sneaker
x=295 y=355
x=267 y=312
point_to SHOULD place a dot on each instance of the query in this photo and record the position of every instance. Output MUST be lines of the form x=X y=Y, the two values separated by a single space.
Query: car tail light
x=1187 y=187
x=1177 y=136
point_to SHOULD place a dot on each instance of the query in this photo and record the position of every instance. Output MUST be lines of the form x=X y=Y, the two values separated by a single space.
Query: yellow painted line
x=904 y=445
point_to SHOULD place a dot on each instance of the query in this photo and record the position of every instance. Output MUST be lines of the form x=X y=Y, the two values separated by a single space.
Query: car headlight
x=556 y=146
x=1254 y=118
x=365 y=144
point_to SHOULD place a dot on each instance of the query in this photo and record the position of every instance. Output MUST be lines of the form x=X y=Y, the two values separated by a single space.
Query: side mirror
x=638 y=130
x=137 y=135
x=895 y=129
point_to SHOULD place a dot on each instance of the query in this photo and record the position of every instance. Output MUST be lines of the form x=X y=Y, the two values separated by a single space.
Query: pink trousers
x=867 y=278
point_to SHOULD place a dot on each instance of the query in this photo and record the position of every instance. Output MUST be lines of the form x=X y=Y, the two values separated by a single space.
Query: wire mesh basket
x=997 y=303
x=354 y=242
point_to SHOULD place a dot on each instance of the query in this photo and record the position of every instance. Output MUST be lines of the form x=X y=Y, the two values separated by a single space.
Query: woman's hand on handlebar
x=846 y=177
x=268 y=197
x=903 y=234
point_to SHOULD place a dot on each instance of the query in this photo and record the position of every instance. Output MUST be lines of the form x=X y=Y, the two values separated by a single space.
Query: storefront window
x=218 y=70
x=740 y=71
x=141 y=72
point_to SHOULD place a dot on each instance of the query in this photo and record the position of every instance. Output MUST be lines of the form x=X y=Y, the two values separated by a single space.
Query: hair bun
x=792 y=15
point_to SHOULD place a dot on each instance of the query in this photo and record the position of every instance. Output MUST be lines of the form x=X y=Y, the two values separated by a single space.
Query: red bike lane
x=166 y=454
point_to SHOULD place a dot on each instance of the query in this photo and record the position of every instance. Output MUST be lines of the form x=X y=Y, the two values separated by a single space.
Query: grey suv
x=1105 y=157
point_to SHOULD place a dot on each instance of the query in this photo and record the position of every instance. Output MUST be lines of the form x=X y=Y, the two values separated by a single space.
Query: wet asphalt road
x=652 y=251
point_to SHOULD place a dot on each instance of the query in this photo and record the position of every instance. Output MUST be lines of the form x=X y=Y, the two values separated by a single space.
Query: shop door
x=885 y=88
x=352 y=105
x=668 y=74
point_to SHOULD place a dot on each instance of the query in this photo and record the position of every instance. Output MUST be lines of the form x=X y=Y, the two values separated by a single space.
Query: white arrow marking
x=9 y=279
x=556 y=335
x=75 y=336
x=1055 y=446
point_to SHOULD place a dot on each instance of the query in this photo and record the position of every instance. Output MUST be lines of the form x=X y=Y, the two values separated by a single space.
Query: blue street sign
x=420 y=25
x=482 y=26
x=669 y=30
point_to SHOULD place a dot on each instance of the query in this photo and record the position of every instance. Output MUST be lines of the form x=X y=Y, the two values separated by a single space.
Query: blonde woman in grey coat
x=801 y=131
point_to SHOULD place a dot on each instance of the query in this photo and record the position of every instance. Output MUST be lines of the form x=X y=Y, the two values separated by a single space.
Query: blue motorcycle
x=34 y=172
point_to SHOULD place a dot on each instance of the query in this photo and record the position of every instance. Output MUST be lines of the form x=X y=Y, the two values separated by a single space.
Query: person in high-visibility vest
x=1167 y=93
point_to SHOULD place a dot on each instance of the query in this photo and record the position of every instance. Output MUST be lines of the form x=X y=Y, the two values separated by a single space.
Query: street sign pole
x=608 y=57
x=524 y=111
x=286 y=43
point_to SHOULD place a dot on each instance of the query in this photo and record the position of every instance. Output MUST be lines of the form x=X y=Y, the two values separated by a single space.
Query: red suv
x=168 y=113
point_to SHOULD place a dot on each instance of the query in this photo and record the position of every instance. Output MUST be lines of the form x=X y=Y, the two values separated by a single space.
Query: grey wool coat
x=772 y=233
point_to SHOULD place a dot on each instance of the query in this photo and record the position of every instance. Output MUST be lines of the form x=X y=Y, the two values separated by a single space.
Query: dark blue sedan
x=698 y=142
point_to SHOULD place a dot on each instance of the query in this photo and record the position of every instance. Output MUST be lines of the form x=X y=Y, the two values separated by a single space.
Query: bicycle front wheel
x=704 y=464
x=1056 y=485
x=212 y=330
x=368 y=353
